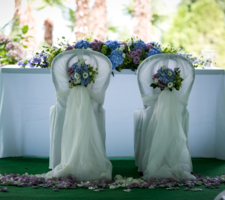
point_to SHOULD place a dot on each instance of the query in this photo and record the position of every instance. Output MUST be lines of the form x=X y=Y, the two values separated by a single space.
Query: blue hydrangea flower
x=164 y=77
x=83 y=44
x=116 y=58
x=139 y=45
x=85 y=81
x=153 y=51
x=155 y=44
x=112 y=44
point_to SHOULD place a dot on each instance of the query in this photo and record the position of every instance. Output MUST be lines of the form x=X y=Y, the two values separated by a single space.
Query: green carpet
x=123 y=166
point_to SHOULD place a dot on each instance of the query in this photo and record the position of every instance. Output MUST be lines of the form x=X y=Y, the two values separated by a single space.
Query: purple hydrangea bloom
x=136 y=60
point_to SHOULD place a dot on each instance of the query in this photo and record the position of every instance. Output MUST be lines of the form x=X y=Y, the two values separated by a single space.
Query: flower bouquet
x=81 y=74
x=167 y=78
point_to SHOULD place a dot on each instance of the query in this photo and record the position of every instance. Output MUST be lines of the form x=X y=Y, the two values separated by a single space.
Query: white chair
x=150 y=96
x=61 y=82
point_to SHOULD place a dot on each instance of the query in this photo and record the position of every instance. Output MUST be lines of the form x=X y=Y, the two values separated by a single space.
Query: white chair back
x=150 y=66
x=97 y=60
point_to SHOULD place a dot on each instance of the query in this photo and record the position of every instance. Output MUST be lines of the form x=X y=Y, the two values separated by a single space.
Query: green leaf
x=24 y=46
x=24 y=29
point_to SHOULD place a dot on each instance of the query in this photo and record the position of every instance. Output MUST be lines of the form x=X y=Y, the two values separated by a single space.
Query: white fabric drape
x=61 y=83
x=83 y=152
x=153 y=132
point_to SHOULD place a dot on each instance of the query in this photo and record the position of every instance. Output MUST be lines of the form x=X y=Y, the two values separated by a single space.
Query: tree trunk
x=142 y=17
x=16 y=16
x=81 y=26
x=28 y=19
x=99 y=20
x=48 y=31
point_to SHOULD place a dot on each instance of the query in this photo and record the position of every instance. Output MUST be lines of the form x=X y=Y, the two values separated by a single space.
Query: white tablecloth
x=26 y=96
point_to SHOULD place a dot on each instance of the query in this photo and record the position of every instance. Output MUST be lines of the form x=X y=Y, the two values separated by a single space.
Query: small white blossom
x=169 y=73
x=122 y=47
x=156 y=80
x=170 y=85
x=76 y=76
x=85 y=75
x=124 y=55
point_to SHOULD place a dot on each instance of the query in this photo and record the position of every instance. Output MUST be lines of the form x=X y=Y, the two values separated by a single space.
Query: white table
x=26 y=96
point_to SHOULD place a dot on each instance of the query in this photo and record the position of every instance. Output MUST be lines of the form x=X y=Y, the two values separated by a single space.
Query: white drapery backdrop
x=27 y=94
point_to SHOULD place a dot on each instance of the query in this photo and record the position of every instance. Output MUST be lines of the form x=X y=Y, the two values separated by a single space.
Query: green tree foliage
x=198 y=26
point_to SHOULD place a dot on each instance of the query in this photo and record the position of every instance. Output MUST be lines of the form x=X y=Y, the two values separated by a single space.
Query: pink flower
x=139 y=52
x=155 y=76
x=132 y=54
x=136 y=60
x=149 y=46
x=161 y=84
x=70 y=71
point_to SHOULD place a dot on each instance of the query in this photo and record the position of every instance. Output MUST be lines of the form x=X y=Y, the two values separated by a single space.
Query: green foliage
x=198 y=26
x=24 y=29
x=69 y=15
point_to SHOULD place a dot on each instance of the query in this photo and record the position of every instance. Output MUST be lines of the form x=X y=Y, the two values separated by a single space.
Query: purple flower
x=139 y=52
x=155 y=76
x=132 y=54
x=70 y=71
x=161 y=84
x=70 y=47
x=149 y=46
x=94 y=46
x=136 y=60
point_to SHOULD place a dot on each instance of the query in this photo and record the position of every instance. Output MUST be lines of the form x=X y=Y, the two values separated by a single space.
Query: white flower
x=170 y=85
x=85 y=75
x=156 y=80
x=90 y=49
x=112 y=187
x=77 y=81
x=129 y=43
x=169 y=73
x=122 y=47
x=76 y=76
x=118 y=177
x=124 y=55
x=163 y=67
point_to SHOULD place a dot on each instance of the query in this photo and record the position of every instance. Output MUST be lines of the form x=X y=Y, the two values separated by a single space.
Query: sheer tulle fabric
x=96 y=91
x=83 y=152
x=154 y=123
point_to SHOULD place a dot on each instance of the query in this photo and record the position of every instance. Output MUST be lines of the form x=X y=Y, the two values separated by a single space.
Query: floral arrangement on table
x=167 y=78
x=11 y=47
x=126 y=54
x=81 y=74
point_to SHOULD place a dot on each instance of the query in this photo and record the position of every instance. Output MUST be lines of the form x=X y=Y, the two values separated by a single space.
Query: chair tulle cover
x=81 y=136
x=161 y=128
